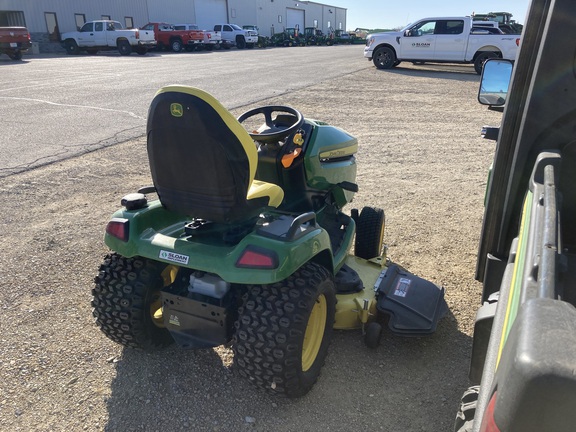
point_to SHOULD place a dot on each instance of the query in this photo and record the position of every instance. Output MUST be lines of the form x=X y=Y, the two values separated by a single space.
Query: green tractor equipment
x=242 y=240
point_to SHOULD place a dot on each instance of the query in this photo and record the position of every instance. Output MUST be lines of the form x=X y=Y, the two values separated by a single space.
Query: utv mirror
x=494 y=82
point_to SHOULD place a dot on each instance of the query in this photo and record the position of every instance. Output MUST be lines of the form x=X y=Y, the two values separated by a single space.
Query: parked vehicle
x=295 y=37
x=342 y=37
x=105 y=35
x=203 y=39
x=314 y=36
x=234 y=35
x=439 y=40
x=523 y=359
x=14 y=41
x=247 y=244
x=167 y=37
x=504 y=20
x=263 y=41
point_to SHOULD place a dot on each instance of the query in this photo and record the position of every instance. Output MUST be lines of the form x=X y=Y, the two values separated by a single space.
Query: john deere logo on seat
x=176 y=110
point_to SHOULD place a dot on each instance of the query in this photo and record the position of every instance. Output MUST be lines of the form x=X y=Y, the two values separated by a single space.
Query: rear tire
x=16 y=55
x=384 y=58
x=176 y=45
x=124 y=47
x=369 y=233
x=481 y=59
x=125 y=298
x=465 y=416
x=284 y=330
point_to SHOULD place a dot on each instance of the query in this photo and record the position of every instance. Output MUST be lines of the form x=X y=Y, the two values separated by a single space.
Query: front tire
x=126 y=302
x=240 y=42
x=369 y=233
x=384 y=58
x=71 y=47
x=284 y=330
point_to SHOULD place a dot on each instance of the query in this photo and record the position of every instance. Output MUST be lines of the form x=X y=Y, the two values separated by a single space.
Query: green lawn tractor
x=246 y=244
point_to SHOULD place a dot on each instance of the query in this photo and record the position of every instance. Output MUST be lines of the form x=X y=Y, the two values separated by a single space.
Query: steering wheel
x=274 y=132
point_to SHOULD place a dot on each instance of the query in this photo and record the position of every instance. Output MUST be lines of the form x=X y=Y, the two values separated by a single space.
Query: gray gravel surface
x=420 y=158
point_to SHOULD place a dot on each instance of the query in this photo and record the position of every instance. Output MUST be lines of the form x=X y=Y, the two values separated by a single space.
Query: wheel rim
x=168 y=277
x=156 y=310
x=314 y=333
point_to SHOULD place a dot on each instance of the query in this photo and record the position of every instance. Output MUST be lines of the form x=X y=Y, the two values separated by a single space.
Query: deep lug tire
x=284 y=330
x=125 y=297
x=465 y=416
x=384 y=58
x=369 y=233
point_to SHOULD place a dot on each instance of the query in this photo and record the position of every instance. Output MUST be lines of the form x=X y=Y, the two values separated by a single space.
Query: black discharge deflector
x=414 y=304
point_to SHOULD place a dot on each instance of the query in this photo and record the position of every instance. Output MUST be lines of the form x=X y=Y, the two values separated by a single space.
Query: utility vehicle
x=523 y=358
x=246 y=244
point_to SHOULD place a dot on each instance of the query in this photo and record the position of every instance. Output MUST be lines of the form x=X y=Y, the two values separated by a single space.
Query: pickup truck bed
x=14 y=41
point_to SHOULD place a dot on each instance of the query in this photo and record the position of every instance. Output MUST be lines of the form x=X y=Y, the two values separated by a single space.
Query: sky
x=395 y=14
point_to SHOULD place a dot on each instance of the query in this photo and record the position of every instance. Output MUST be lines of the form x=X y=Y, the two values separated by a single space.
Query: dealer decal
x=174 y=257
x=402 y=287
x=421 y=44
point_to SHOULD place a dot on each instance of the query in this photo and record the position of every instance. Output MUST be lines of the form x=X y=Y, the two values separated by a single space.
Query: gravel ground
x=420 y=158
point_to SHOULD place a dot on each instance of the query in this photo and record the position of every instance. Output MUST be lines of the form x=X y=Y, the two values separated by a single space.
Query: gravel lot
x=421 y=159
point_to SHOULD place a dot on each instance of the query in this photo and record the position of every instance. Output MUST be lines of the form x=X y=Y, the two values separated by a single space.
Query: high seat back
x=202 y=160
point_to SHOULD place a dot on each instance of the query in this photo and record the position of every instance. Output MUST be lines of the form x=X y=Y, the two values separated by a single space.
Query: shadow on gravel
x=463 y=73
x=194 y=390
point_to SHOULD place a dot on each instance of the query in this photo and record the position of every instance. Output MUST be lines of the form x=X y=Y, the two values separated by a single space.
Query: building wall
x=269 y=15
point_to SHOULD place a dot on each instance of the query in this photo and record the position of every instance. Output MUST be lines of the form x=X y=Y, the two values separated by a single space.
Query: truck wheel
x=481 y=59
x=467 y=411
x=384 y=58
x=71 y=47
x=369 y=233
x=176 y=45
x=126 y=302
x=16 y=55
x=284 y=330
x=240 y=42
x=124 y=47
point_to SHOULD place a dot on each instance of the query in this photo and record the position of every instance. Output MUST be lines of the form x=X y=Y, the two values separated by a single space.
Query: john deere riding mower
x=246 y=244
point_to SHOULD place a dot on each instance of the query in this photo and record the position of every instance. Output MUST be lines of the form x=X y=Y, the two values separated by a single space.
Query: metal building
x=47 y=19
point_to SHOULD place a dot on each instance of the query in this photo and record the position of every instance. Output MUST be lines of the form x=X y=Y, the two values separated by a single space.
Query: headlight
x=369 y=41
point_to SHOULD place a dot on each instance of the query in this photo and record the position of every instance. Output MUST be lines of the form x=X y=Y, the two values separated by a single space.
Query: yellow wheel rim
x=168 y=277
x=314 y=333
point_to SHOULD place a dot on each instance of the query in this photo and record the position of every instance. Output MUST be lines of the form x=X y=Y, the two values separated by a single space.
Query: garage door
x=210 y=12
x=295 y=17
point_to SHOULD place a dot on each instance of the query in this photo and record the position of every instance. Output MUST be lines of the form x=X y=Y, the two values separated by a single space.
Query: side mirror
x=494 y=82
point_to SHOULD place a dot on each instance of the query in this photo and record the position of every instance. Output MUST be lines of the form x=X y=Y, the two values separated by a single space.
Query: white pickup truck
x=439 y=40
x=233 y=34
x=104 y=35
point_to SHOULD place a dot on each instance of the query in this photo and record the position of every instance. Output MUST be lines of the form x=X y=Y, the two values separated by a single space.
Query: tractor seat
x=202 y=160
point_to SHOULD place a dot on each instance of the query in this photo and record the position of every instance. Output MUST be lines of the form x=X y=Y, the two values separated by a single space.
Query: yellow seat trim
x=261 y=189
